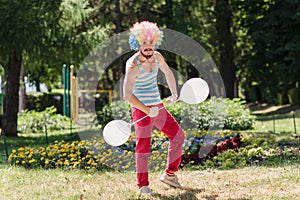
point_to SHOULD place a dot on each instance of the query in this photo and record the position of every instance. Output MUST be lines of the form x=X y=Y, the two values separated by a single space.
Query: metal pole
x=46 y=133
x=65 y=90
x=5 y=144
x=274 y=123
x=71 y=126
x=68 y=91
x=66 y=83
x=294 y=122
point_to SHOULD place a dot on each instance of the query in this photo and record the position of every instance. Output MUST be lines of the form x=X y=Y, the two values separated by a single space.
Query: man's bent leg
x=168 y=125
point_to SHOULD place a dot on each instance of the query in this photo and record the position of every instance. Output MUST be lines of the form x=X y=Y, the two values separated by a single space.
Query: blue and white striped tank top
x=145 y=88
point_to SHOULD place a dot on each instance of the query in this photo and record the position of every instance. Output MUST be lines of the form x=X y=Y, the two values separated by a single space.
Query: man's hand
x=153 y=111
x=171 y=99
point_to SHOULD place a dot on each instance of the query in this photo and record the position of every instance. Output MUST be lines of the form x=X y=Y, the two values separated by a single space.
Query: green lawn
x=277 y=178
x=247 y=183
x=277 y=119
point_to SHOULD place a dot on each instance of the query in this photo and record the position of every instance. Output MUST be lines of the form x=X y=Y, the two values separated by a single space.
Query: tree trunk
x=170 y=57
x=22 y=97
x=10 y=117
x=118 y=30
x=223 y=23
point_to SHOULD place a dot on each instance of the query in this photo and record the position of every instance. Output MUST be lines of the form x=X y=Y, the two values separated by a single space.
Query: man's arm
x=131 y=73
x=168 y=74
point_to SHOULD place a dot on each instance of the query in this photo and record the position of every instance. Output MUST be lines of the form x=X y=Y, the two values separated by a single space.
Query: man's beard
x=147 y=56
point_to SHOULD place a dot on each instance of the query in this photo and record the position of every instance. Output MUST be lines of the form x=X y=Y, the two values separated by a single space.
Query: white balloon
x=116 y=132
x=194 y=91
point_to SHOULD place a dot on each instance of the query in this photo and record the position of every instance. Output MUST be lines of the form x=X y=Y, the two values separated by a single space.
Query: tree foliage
x=261 y=35
x=271 y=60
x=42 y=35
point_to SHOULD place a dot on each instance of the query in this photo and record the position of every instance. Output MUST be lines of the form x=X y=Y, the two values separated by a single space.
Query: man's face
x=147 y=48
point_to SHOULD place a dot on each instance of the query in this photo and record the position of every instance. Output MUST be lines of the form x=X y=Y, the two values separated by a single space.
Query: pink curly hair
x=144 y=31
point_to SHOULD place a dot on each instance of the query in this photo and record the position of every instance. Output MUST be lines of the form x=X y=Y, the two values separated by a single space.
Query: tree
x=272 y=61
x=44 y=30
x=23 y=25
x=224 y=39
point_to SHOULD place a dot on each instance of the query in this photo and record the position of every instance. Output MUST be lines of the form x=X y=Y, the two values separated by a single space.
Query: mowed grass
x=278 y=119
x=278 y=181
x=247 y=183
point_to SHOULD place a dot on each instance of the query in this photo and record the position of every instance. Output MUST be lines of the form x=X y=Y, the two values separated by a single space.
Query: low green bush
x=33 y=121
x=115 y=110
x=213 y=113
x=40 y=101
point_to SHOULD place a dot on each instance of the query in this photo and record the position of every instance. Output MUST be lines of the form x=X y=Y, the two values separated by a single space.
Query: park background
x=255 y=45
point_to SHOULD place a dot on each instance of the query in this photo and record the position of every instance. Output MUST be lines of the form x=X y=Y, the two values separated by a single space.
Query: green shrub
x=238 y=117
x=41 y=101
x=33 y=121
x=217 y=113
x=115 y=110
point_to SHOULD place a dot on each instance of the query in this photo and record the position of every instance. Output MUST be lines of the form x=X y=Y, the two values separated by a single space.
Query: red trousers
x=168 y=125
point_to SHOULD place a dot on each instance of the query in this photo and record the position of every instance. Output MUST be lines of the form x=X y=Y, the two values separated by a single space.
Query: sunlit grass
x=247 y=183
x=280 y=180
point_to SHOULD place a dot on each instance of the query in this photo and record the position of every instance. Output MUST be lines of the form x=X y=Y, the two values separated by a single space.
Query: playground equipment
x=71 y=94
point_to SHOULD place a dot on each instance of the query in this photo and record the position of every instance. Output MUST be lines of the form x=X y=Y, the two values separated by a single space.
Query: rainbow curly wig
x=144 y=31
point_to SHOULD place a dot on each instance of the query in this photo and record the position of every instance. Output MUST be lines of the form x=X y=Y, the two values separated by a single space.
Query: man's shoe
x=145 y=190
x=170 y=180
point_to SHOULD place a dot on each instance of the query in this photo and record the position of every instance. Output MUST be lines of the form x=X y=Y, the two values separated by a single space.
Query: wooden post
x=72 y=92
x=76 y=99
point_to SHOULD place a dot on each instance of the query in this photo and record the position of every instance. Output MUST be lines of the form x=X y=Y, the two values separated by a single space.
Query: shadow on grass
x=274 y=110
x=189 y=194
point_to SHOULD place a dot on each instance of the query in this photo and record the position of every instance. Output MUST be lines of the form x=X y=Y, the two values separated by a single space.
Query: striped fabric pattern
x=145 y=88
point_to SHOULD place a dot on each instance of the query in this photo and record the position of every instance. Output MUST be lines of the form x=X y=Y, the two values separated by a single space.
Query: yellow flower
x=46 y=161
x=73 y=155
x=30 y=155
x=32 y=161
x=66 y=162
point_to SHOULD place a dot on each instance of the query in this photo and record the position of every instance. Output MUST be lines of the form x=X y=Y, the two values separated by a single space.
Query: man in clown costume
x=141 y=92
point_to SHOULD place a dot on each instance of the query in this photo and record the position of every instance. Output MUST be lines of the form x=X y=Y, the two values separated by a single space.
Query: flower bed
x=201 y=149
x=57 y=155
x=97 y=154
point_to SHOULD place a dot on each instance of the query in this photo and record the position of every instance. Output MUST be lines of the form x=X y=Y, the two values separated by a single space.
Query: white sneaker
x=145 y=190
x=170 y=180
